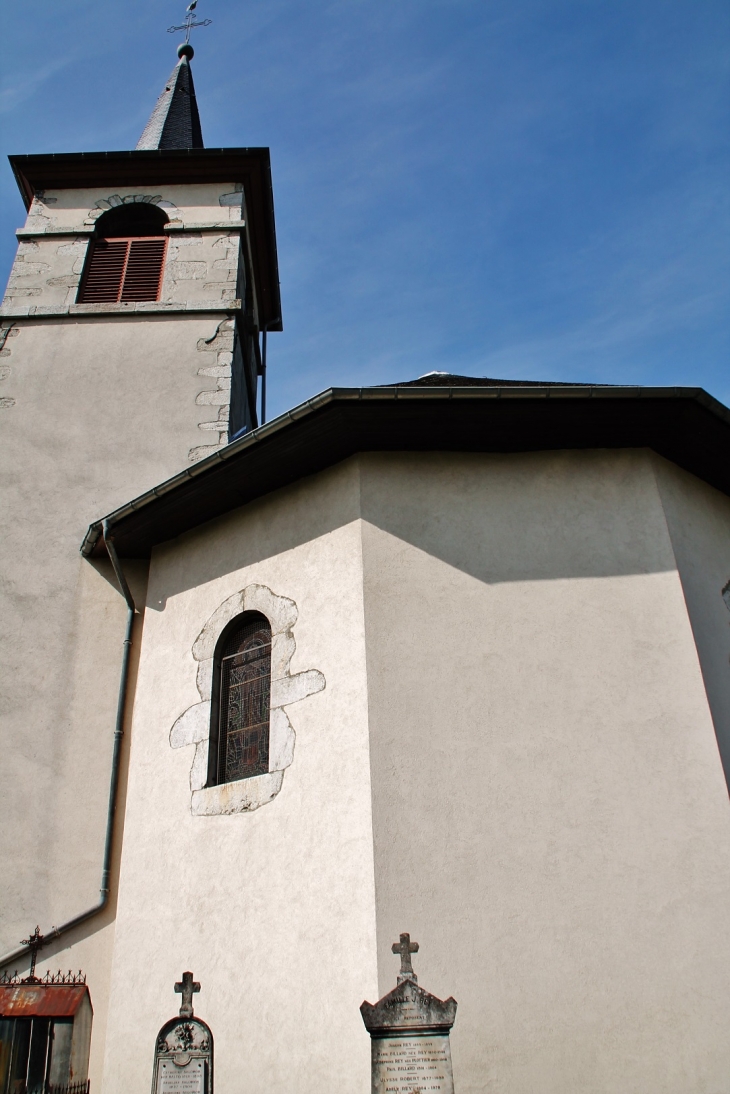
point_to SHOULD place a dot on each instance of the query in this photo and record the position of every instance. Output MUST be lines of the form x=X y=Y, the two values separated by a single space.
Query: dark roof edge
x=393 y=394
x=40 y=159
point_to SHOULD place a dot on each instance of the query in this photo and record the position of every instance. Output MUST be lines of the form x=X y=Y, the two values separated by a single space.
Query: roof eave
x=669 y=436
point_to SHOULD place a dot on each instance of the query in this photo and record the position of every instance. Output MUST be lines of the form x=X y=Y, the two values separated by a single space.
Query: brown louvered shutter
x=123 y=269
x=104 y=271
x=144 y=269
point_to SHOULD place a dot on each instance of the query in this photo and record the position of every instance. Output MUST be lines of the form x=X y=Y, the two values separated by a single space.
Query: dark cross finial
x=187 y=987
x=34 y=942
x=189 y=23
x=405 y=948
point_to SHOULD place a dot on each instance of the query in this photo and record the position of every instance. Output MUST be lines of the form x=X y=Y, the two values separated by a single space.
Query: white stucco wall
x=272 y=910
x=698 y=519
x=551 y=822
x=94 y=412
x=513 y=758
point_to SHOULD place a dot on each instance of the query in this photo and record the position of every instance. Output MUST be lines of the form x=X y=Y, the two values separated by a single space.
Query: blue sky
x=512 y=188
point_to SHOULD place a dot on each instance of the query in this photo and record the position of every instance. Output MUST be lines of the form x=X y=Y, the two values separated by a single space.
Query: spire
x=175 y=122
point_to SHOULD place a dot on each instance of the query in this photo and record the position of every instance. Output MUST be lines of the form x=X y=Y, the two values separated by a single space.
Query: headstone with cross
x=409 y=1034
x=184 y=1048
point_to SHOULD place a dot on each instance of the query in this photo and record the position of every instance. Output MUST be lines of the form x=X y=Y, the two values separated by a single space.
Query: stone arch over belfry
x=114 y=201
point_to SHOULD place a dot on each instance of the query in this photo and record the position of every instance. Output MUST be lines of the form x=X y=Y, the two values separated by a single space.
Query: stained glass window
x=244 y=696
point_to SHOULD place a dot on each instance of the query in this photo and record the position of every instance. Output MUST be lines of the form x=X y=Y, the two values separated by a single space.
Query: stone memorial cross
x=187 y=987
x=405 y=948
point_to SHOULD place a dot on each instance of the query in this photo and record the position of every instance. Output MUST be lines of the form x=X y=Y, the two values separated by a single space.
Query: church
x=447 y=660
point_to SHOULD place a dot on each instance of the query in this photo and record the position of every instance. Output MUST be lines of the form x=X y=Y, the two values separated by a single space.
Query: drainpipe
x=264 y=332
x=263 y=373
x=56 y=932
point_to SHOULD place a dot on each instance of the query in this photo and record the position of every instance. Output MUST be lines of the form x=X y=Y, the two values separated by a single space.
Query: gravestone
x=409 y=1031
x=184 y=1049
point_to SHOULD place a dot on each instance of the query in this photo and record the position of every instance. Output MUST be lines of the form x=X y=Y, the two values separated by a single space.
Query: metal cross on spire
x=189 y=23
x=405 y=948
x=187 y=987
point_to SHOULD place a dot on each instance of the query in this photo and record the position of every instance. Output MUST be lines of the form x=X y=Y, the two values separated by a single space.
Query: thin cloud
x=16 y=93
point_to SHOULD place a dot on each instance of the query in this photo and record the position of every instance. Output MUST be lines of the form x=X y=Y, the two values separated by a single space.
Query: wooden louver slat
x=123 y=270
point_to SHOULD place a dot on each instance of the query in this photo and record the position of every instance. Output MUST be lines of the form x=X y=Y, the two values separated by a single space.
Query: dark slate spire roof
x=175 y=122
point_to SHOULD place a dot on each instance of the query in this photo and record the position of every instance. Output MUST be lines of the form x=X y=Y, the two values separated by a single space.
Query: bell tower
x=164 y=253
x=129 y=333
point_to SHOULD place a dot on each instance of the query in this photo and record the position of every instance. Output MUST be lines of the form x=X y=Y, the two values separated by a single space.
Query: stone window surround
x=39 y=223
x=193 y=726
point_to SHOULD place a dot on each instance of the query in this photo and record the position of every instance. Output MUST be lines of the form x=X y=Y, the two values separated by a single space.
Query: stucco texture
x=273 y=910
x=550 y=818
x=698 y=520
x=514 y=759
x=101 y=412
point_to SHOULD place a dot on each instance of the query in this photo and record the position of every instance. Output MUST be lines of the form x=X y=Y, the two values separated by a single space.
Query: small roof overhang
x=158 y=167
x=42 y=1000
x=686 y=425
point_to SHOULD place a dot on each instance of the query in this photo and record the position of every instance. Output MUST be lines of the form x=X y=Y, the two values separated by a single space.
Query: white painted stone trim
x=193 y=725
x=218 y=358
x=6 y=371
x=104 y=204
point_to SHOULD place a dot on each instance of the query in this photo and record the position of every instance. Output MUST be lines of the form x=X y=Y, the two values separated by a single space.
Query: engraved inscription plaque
x=184 y=1049
x=412 y=1065
x=409 y=1031
x=189 y=1079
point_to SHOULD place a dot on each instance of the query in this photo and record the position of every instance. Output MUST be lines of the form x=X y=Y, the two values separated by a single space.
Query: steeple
x=175 y=122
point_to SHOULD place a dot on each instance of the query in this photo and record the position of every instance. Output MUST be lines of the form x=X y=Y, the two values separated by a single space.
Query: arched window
x=126 y=256
x=239 y=737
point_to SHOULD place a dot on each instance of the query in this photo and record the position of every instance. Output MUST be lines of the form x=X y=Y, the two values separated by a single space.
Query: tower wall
x=99 y=403
x=202 y=264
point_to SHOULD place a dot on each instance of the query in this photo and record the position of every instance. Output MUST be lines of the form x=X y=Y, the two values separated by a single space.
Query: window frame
x=218 y=733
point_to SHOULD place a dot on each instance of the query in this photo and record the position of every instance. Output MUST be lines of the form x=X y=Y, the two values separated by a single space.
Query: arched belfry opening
x=126 y=256
x=138 y=218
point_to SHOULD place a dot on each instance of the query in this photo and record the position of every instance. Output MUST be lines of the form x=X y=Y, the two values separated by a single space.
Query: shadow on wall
x=524 y=517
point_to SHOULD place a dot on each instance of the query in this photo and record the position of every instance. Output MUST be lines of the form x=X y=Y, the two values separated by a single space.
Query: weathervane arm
x=186 y=26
